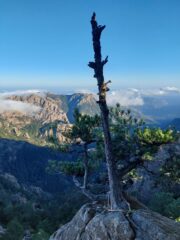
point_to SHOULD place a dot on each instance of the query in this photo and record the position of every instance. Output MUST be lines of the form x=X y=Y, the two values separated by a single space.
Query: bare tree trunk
x=116 y=195
x=86 y=167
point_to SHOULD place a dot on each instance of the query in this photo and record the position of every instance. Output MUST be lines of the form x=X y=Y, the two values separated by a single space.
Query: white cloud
x=129 y=97
x=159 y=92
x=83 y=91
x=10 y=105
x=7 y=105
x=22 y=93
x=152 y=92
x=171 y=89
x=125 y=98
x=136 y=97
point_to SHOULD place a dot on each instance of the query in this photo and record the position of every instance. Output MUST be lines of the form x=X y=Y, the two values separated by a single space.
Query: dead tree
x=115 y=185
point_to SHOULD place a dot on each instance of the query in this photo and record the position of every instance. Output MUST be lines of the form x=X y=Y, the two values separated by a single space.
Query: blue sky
x=47 y=43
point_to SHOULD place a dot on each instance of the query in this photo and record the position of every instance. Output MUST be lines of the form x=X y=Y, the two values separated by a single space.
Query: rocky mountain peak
x=50 y=109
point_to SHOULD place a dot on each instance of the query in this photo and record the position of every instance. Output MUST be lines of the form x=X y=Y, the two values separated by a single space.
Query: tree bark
x=86 y=167
x=116 y=196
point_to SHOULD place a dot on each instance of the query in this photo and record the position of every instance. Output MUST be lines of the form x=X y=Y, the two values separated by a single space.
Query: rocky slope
x=27 y=208
x=54 y=107
x=174 y=123
x=41 y=117
x=50 y=109
x=28 y=164
x=97 y=223
x=149 y=178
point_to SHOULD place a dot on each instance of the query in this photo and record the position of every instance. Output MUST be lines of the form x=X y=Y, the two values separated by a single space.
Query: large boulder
x=153 y=226
x=94 y=222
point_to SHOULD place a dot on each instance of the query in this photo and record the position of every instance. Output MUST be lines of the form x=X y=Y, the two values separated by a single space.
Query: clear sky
x=47 y=43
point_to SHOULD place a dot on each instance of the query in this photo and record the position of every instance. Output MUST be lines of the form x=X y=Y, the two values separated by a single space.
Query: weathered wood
x=86 y=167
x=115 y=185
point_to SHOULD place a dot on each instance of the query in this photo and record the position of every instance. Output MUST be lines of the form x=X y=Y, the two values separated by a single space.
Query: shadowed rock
x=93 y=222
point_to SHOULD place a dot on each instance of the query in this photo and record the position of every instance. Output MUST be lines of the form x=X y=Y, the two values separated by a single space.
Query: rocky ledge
x=93 y=222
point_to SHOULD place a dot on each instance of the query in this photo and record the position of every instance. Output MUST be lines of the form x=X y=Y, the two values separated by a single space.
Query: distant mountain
x=174 y=123
x=40 y=117
x=160 y=106
x=86 y=104
x=54 y=107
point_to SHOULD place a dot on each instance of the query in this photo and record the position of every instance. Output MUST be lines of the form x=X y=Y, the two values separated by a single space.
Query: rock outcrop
x=147 y=183
x=93 y=222
x=2 y=231
x=50 y=109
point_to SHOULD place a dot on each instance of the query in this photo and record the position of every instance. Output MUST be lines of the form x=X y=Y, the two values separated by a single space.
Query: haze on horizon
x=47 y=44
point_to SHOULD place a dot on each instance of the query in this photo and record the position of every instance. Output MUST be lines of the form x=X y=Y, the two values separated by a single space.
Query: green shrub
x=165 y=204
x=14 y=231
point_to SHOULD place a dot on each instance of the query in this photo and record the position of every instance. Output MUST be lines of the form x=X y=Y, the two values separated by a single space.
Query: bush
x=165 y=204
x=14 y=231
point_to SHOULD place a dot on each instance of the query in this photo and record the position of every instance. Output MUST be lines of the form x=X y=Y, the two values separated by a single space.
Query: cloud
x=85 y=91
x=22 y=93
x=129 y=98
x=126 y=98
x=171 y=89
x=7 y=105
x=159 y=92
x=10 y=106
x=137 y=97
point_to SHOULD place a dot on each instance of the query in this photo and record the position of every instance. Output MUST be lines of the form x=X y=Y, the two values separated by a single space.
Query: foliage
x=83 y=132
x=131 y=138
x=69 y=168
x=84 y=127
x=171 y=169
x=14 y=230
x=17 y=216
x=40 y=235
x=124 y=132
x=165 y=204
x=64 y=147
x=156 y=136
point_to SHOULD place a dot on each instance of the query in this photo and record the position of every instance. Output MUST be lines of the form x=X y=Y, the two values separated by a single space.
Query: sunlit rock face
x=48 y=109
x=37 y=117
x=93 y=221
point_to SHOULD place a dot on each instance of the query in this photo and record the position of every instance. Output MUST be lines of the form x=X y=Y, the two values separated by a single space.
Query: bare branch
x=87 y=193
x=92 y=65
x=105 y=61
x=128 y=166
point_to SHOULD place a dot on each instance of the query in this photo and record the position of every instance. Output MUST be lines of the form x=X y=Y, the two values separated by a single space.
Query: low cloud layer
x=7 y=105
x=136 y=97
x=128 y=98
x=22 y=93
x=125 y=98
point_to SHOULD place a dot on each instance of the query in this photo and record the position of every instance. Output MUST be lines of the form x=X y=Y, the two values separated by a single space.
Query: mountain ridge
x=52 y=117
